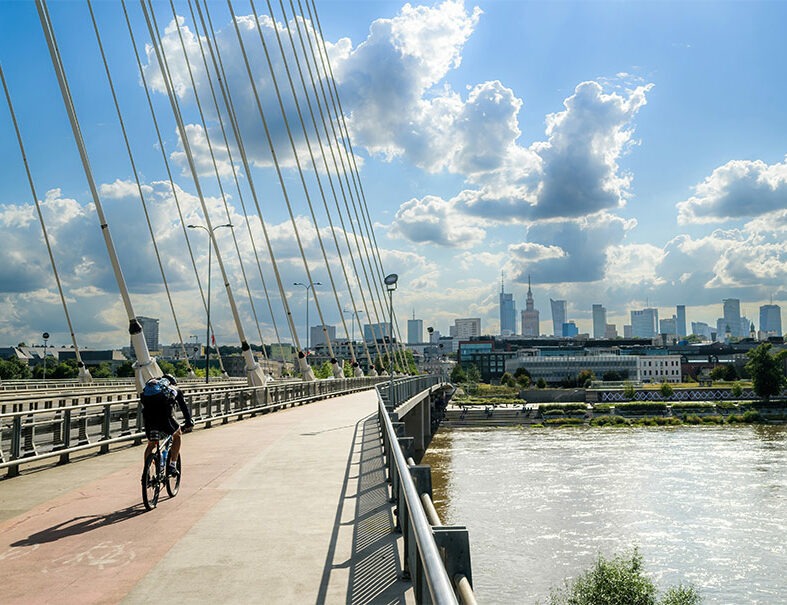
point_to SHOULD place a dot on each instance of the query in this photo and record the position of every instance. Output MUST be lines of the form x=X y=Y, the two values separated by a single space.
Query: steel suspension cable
x=136 y=179
x=232 y=164
x=246 y=167
x=252 y=367
x=174 y=189
x=146 y=367
x=348 y=147
x=83 y=371
x=300 y=173
x=316 y=170
x=215 y=166
x=327 y=170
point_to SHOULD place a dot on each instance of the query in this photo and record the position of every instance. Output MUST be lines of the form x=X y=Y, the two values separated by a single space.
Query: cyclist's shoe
x=172 y=470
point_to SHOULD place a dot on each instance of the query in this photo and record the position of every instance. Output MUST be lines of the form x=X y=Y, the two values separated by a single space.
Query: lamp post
x=211 y=236
x=354 y=314
x=390 y=283
x=45 y=336
x=308 y=287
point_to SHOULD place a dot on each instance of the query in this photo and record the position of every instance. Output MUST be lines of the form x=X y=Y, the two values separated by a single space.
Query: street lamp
x=210 y=233
x=355 y=316
x=390 y=283
x=45 y=336
x=308 y=287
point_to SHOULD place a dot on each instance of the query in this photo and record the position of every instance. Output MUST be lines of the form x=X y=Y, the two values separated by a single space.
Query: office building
x=731 y=321
x=645 y=323
x=378 y=331
x=530 y=316
x=559 y=316
x=610 y=332
x=669 y=328
x=466 y=328
x=771 y=320
x=317 y=335
x=599 y=321
x=569 y=329
x=681 y=316
x=507 y=312
x=150 y=332
x=701 y=329
x=415 y=330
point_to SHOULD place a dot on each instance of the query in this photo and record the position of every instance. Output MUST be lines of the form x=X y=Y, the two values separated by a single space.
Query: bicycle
x=156 y=471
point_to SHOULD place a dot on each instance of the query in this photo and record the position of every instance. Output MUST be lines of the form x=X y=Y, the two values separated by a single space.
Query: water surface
x=705 y=506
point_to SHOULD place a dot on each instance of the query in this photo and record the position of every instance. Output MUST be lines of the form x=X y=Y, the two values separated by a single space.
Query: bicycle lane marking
x=92 y=544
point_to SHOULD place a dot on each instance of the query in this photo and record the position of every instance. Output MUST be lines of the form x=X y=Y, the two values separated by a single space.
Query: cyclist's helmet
x=171 y=379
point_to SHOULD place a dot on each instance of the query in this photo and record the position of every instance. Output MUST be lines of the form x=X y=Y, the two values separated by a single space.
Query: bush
x=737 y=389
x=564 y=421
x=644 y=406
x=619 y=581
x=666 y=390
x=566 y=407
x=609 y=421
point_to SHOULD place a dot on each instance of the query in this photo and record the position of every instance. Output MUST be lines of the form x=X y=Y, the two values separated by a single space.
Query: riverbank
x=619 y=414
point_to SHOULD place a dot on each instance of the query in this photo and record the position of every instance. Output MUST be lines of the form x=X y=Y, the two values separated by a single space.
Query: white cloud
x=434 y=220
x=738 y=189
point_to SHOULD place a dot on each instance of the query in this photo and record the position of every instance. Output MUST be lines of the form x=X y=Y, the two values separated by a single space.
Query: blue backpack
x=156 y=393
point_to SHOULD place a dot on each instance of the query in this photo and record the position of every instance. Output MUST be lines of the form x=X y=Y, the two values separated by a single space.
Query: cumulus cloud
x=433 y=220
x=738 y=189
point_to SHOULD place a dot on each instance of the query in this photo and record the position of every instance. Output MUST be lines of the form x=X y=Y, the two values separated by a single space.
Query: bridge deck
x=289 y=507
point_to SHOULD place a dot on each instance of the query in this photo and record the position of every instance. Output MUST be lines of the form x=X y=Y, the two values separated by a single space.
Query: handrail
x=36 y=435
x=440 y=588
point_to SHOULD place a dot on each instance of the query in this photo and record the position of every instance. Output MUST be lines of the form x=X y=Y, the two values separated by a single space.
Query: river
x=705 y=506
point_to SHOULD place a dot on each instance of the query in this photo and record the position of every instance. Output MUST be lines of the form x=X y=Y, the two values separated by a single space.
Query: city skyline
x=630 y=173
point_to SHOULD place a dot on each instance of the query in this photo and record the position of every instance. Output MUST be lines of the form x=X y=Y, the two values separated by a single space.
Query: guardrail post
x=454 y=542
x=64 y=457
x=106 y=422
x=82 y=438
x=29 y=434
x=422 y=475
x=16 y=445
x=225 y=413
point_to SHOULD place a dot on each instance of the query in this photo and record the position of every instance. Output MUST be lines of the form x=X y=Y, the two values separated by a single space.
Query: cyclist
x=158 y=400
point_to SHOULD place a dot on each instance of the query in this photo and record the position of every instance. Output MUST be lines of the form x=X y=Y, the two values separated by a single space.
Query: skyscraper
x=681 y=316
x=599 y=321
x=507 y=312
x=150 y=332
x=645 y=323
x=530 y=319
x=732 y=317
x=771 y=320
x=415 y=330
x=559 y=316
x=466 y=328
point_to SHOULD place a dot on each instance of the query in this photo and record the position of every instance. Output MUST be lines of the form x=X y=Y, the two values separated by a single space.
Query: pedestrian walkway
x=290 y=507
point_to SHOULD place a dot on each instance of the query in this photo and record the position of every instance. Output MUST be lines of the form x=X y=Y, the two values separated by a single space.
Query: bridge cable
x=328 y=172
x=274 y=80
x=172 y=185
x=84 y=373
x=215 y=166
x=232 y=164
x=139 y=185
x=145 y=365
x=348 y=147
x=378 y=314
x=252 y=368
x=316 y=170
x=247 y=170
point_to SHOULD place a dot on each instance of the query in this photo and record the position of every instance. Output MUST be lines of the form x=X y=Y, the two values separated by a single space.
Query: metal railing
x=61 y=430
x=436 y=557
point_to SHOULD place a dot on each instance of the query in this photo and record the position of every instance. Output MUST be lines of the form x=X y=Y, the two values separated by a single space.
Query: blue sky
x=622 y=153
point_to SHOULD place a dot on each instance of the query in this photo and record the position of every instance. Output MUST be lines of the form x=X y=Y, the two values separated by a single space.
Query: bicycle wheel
x=173 y=483
x=151 y=486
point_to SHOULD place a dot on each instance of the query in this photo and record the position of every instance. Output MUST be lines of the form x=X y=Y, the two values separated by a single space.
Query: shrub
x=692 y=419
x=603 y=408
x=644 y=406
x=566 y=407
x=620 y=580
x=737 y=389
x=609 y=421
x=569 y=420
x=666 y=390
x=751 y=416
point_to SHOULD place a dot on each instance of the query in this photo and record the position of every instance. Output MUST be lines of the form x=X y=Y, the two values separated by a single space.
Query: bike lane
x=94 y=543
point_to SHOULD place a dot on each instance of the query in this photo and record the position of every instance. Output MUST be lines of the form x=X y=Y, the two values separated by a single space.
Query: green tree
x=167 y=367
x=629 y=391
x=666 y=390
x=508 y=380
x=611 y=376
x=14 y=369
x=725 y=372
x=125 y=370
x=737 y=389
x=458 y=374
x=102 y=370
x=767 y=372
x=541 y=383
x=324 y=371
x=619 y=581
x=473 y=375
x=585 y=377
